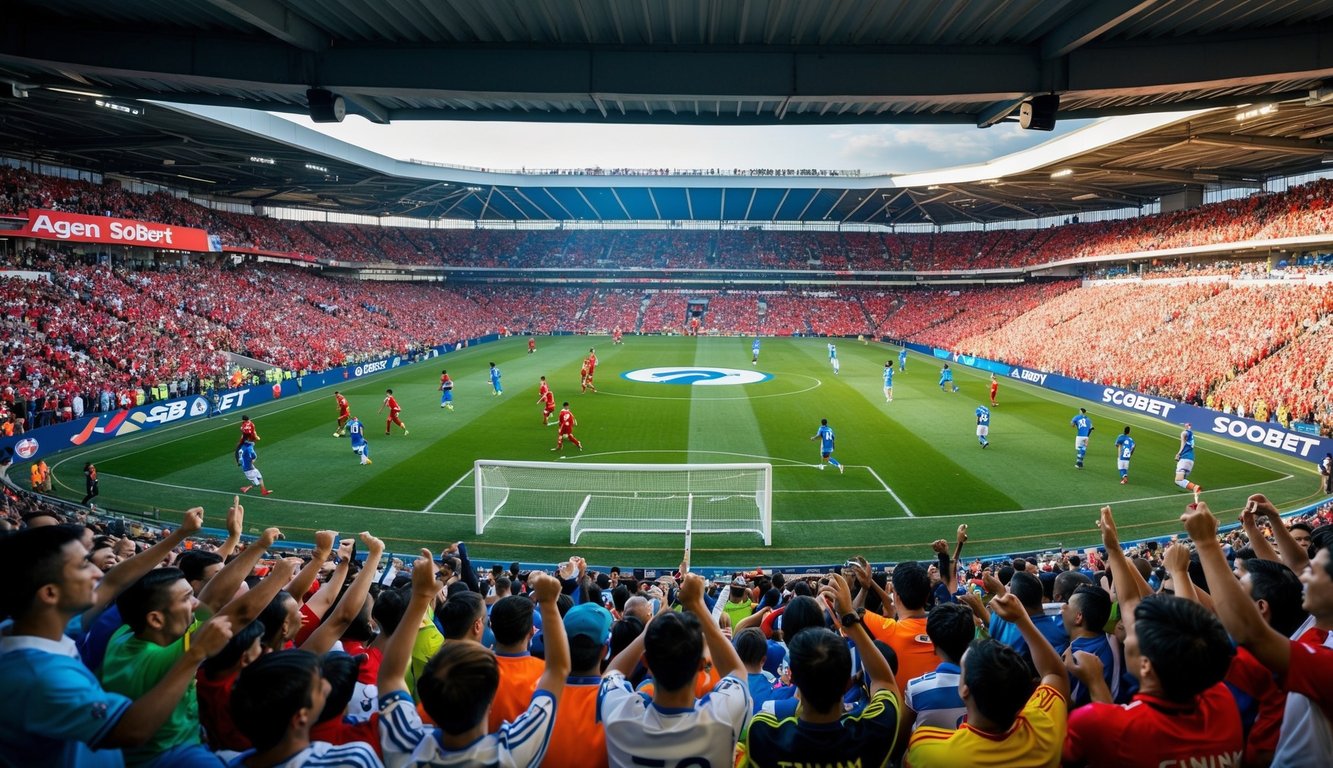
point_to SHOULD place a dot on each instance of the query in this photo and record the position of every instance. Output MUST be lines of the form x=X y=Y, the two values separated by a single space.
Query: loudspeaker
x=1038 y=112
x=327 y=106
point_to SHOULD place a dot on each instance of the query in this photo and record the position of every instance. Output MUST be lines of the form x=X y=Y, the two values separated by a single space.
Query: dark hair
x=951 y=628
x=150 y=593
x=29 y=560
x=911 y=582
x=269 y=692
x=821 y=665
x=1068 y=582
x=1188 y=647
x=511 y=620
x=341 y=670
x=585 y=654
x=803 y=612
x=1005 y=573
x=889 y=654
x=999 y=681
x=1095 y=605
x=618 y=597
x=1281 y=588
x=390 y=605
x=274 y=616
x=623 y=632
x=802 y=588
x=460 y=611
x=1075 y=561
x=673 y=643
x=235 y=648
x=750 y=645
x=458 y=685
x=195 y=562
x=1027 y=588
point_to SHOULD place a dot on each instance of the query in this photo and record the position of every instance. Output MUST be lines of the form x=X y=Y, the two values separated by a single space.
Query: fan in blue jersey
x=496 y=389
x=245 y=456
x=946 y=380
x=359 y=445
x=1083 y=429
x=983 y=425
x=1185 y=461
x=1124 y=448
x=902 y=360
x=825 y=437
x=754 y=351
x=888 y=381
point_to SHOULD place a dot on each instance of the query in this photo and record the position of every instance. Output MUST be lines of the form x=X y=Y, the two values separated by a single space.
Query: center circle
x=696 y=375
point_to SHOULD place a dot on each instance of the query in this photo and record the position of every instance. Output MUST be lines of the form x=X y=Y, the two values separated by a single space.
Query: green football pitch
x=914 y=467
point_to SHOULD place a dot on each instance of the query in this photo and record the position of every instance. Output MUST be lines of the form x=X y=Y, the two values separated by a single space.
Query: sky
x=515 y=145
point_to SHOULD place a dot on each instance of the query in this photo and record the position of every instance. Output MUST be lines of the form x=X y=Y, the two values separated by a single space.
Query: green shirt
x=132 y=667
x=428 y=642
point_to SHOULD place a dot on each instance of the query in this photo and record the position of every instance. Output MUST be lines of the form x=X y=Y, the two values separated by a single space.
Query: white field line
x=890 y=490
x=457 y=482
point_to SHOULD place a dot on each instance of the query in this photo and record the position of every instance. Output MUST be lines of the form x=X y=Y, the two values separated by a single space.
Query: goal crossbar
x=628 y=498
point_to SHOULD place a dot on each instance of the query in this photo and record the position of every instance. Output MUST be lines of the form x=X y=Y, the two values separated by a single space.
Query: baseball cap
x=590 y=620
x=738 y=582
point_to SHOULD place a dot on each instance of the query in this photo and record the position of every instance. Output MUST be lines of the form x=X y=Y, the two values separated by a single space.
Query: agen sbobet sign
x=79 y=228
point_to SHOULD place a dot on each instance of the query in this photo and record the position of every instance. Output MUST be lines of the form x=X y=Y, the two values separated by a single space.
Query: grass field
x=914 y=468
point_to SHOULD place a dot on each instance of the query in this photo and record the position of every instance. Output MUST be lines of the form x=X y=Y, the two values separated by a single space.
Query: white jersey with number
x=638 y=732
x=409 y=744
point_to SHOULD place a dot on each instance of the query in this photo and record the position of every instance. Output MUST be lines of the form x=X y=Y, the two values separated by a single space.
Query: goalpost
x=628 y=498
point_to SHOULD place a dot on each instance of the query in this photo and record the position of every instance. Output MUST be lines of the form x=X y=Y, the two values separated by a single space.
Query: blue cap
x=589 y=620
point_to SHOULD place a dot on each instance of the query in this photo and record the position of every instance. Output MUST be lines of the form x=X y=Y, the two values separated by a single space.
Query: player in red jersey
x=446 y=390
x=547 y=398
x=532 y=345
x=588 y=369
x=566 y=428
x=248 y=434
x=994 y=387
x=394 y=410
x=344 y=413
x=615 y=337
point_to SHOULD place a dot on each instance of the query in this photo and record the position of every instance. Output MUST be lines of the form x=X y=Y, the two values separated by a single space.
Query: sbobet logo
x=1137 y=402
x=1033 y=376
x=696 y=376
x=1287 y=442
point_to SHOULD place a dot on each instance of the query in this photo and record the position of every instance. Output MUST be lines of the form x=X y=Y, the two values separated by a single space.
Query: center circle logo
x=700 y=376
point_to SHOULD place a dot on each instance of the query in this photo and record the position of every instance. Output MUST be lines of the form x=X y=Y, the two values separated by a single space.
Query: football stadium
x=961 y=372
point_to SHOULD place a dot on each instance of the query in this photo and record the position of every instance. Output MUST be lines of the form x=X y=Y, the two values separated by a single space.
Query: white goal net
x=628 y=498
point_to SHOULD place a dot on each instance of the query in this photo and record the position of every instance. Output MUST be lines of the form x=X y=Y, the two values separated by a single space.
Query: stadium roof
x=687 y=61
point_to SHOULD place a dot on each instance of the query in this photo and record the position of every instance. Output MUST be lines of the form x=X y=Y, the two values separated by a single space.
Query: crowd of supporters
x=123 y=643
x=1301 y=210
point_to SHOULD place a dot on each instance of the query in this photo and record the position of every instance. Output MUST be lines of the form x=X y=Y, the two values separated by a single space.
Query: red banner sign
x=78 y=228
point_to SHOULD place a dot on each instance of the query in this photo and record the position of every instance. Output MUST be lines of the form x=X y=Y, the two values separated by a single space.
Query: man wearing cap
x=738 y=605
x=578 y=739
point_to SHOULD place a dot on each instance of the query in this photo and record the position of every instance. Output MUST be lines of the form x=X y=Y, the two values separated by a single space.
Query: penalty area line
x=449 y=490
x=875 y=474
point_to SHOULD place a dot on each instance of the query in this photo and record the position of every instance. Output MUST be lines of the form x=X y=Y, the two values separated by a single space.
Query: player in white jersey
x=674 y=728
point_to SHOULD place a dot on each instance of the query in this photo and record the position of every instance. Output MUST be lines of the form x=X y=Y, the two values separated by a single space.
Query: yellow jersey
x=1033 y=741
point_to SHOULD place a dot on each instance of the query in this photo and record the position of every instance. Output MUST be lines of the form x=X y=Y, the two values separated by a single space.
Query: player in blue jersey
x=496 y=389
x=245 y=456
x=833 y=358
x=1124 y=448
x=825 y=437
x=1082 y=431
x=888 y=381
x=359 y=445
x=946 y=380
x=754 y=351
x=983 y=425
x=902 y=360
x=1185 y=461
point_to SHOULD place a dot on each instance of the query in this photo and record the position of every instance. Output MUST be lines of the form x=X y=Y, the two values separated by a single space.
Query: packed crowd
x=123 y=644
x=1300 y=210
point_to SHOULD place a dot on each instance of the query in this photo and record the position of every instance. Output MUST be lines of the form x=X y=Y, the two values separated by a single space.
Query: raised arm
x=1176 y=560
x=323 y=548
x=221 y=588
x=838 y=596
x=1126 y=576
x=725 y=658
x=1290 y=554
x=959 y=540
x=1048 y=663
x=1249 y=522
x=398 y=651
x=320 y=602
x=1238 y=612
x=323 y=638
x=547 y=590
x=235 y=524
x=247 y=607
x=119 y=578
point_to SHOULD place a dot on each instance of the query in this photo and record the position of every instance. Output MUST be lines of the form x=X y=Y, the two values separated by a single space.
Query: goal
x=628 y=498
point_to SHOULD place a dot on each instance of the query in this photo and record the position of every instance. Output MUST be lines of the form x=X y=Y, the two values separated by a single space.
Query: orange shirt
x=908 y=638
x=578 y=740
x=518 y=679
